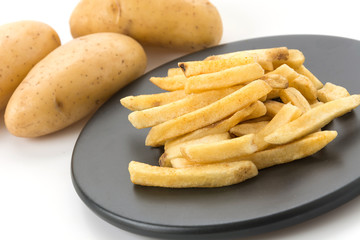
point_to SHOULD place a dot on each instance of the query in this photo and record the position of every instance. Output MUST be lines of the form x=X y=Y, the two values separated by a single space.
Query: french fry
x=225 y=78
x=273 y=94
x=331 y=92
x=302 y=148
x=272 y=107
x=285 y=115
x=258 y=119
x=205 y=116
x=304 y=71
x=313 y=120
x=153 y=116
x=275 y=80
x=265 y=57
x=174 y=151
x=174 y=72
x=248 y=128
x=293 y=96
x=298 y=81
x=219 y=151
x=295 y=59
x=193 y=68
x=252 y=111
x=259 y=111
x=282 y=154
x=205 y=176
x=141 y=102
x=315 y=104
x=172 y=83
x=183 y=163
x=285 y=71
x=306 y=87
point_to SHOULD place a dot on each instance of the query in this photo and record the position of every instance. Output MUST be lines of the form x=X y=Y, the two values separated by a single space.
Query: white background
x=37 y=199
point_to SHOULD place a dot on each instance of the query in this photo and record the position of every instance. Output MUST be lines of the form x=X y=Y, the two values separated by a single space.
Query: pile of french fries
x=224 y=118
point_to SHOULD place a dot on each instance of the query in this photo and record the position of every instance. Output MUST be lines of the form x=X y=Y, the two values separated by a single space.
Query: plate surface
x=278 y=197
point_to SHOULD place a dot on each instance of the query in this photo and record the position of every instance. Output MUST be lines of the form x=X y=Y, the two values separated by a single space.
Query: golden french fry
x=286 y=153
x=183 y=163
x=153 y=116
x=174 y=72
x=302 y=83
x=313 y=120
x=225 y=78
x=219 y=151
x=272 y=107
x=331 y=92
x=304 y=147
x=265 y=57
x=173 y=83
x=285 y=71
x=205 y=116
x=304 y=71
x=205 y=176
x=259 y=111
x=248 y=128
x=275 y=93
x=295 y=59
x=306 y=87
x=259 y=119
x=174 y=150
x=315 y=104
x=285 y=115
x=275 y=80
x=193 y=68
x=251 y=111
x=293 y=96
x=141 y=102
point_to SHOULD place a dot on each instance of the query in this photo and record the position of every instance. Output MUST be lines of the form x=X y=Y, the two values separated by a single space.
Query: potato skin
x=22 y=45
x=73 y=81
x=178 y=24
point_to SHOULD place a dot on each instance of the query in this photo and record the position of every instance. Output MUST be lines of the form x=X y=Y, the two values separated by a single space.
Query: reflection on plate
x=280 y=196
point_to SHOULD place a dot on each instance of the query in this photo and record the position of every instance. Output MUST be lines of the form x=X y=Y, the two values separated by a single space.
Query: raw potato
x=22 y=45
x=73 y=81
x=179 y=24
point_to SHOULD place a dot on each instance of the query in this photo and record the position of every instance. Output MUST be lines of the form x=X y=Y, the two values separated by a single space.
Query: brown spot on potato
x=127 y=27
x=59 y=105
x=114 y=8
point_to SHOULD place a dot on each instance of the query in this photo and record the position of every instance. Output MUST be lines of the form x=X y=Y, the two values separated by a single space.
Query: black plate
x=280 y=196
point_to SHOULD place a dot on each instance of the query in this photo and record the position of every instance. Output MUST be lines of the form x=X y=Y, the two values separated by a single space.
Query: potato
x=22 y=45
x=179 y=24
x=73 y=81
